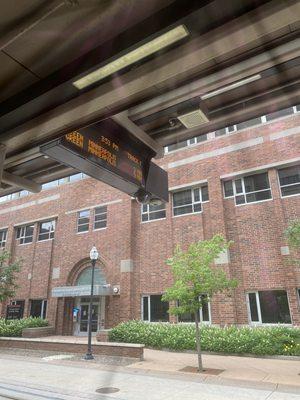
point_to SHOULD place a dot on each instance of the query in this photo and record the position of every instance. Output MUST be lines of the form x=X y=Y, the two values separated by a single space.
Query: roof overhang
x=228 y=43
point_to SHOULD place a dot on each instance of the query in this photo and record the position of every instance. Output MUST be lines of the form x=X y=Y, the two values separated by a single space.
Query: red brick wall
x=256 y=230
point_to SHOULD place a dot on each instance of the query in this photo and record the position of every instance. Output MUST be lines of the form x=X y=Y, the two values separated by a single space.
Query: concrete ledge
x=100 y=348
x=102 y=336
x=38 y=332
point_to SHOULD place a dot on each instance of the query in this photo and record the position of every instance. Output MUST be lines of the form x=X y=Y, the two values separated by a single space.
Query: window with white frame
x=231 y=128
x=38 y=308
x=100 y=217
x=289 y=179
x=46 y=230
x=268 y=307
x=188 y=201
x=248 y=189
x=154 y=309
x=83 y=221
x=186 y=143
x=76 y=177
x=25 y=234
x=49 y=185
x=152 y=212
x=3 y=237
x=204 y=313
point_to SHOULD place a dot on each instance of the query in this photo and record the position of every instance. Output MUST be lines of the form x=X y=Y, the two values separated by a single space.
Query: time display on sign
x=108 y=145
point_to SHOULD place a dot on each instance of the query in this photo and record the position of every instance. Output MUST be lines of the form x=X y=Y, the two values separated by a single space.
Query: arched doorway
x=82 y=304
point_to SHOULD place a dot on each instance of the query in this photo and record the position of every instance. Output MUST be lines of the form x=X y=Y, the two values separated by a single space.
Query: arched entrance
x=82 y=304
x=74 y=299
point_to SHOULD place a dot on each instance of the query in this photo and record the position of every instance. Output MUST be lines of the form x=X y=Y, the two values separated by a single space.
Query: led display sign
x=110 y=153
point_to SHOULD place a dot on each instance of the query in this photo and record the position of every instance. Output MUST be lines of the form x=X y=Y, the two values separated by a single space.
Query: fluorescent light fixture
x=192 y=119
x=230 y=87
x=133 y=56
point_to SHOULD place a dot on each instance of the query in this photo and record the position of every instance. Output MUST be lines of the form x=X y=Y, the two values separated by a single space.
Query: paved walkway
x=281 y=372
x=25 y=378
x=247 y=369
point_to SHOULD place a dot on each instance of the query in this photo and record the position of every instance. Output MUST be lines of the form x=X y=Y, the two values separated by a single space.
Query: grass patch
x=277 y=340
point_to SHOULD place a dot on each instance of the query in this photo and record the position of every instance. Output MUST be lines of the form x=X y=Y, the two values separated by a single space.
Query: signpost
x=14 y=312
x=109 y=152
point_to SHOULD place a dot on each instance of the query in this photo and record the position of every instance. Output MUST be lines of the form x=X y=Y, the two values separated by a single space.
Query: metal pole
x=89 y=355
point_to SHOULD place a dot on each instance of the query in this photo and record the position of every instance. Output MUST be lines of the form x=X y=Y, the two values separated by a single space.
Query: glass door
x=81 y=320
x=84 y=317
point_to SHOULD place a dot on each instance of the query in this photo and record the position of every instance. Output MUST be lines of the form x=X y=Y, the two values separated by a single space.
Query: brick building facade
x=242 y=182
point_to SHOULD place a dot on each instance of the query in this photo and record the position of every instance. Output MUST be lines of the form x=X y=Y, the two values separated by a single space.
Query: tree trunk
x=198 y=343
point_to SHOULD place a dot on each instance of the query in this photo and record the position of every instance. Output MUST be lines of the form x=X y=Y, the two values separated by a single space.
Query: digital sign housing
x=110 y=153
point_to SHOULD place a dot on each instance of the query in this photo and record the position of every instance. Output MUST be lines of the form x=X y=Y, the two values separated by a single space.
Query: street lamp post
x=94 y=257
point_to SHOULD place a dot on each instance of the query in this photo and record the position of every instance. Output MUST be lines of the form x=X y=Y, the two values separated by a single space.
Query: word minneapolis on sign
x=110 y=153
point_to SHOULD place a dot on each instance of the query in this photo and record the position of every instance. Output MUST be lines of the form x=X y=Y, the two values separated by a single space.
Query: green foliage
x=292 y=234
x=8 y=273
x=194 y=275
x=276 y=340
x=14 y=327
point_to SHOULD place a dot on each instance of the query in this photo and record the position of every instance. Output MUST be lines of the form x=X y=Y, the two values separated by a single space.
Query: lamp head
x=94 y=253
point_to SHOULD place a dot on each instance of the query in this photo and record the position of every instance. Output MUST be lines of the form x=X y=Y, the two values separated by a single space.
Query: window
x=154 y=309
x=85 y=277
x=24 y=193
x=25 y=234
x=220 y=132
x=152 y=212
x=49 y=185
x=249 y=123
x=76 y=177
x=83 y=220
x=46 y=230
x=189 y=201
x=231 y=128
x=204 y=315
x=280 y=113
x=15 y=195
x=201 y=138
x=38 y=308
x=63 y=181
x=3 y=237
x=100 y=220
x=185 y=143
x=228 y=188
x=289 y=179
x=248 y=189
x=269 y=307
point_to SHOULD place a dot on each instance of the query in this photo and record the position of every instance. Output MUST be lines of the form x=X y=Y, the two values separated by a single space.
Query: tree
x=195 y=276
x=8 y=273
x=292 y=233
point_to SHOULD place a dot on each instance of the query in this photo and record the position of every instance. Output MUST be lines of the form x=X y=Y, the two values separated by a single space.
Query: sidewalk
x=236 y=370
x=278 y=372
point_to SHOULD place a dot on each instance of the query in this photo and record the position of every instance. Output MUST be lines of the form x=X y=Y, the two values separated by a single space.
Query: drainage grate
x=107 y=390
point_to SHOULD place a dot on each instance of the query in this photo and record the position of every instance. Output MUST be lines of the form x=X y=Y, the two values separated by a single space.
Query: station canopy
x=164 y=70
